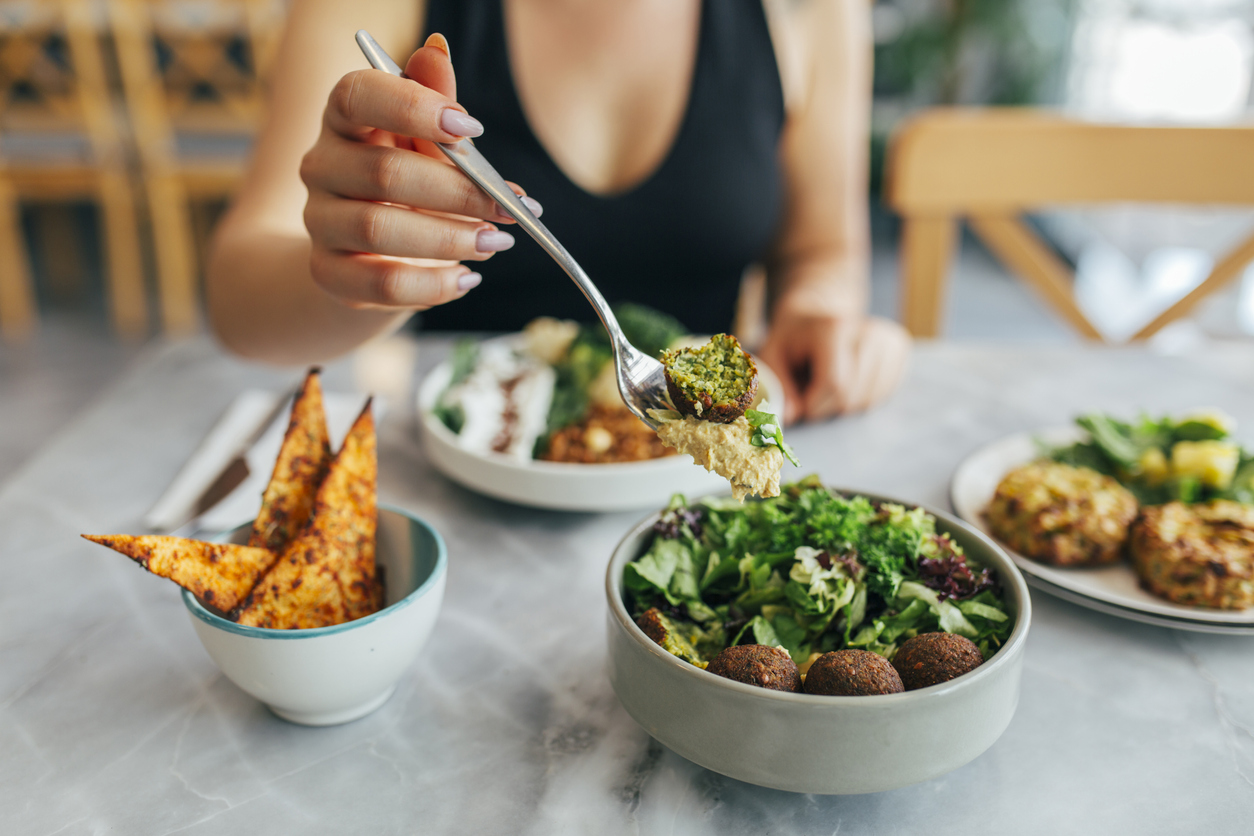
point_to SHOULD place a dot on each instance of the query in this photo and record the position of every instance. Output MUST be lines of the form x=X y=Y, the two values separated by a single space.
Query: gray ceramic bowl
x=816 y=744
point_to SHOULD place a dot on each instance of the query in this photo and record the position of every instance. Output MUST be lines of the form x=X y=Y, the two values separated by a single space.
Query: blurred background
x=125 y=124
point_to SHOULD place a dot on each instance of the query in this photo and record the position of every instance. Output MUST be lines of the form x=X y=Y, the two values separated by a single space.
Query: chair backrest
x=193 y=68
x=54 y=95
x=988 y=166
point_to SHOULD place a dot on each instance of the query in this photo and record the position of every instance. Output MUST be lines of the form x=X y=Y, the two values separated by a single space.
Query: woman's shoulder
x=804 y=31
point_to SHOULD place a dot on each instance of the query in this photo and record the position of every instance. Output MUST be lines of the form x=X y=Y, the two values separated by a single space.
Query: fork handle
x=474 y=165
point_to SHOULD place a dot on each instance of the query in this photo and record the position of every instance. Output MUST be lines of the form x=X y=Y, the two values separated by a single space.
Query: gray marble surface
x=114 y=720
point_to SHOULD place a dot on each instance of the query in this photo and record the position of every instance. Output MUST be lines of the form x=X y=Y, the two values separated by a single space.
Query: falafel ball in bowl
x=757 y=664
x=933 y=658
x=728 y=615
x=852 y=673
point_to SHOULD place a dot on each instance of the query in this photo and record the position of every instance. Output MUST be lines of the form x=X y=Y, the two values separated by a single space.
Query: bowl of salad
x=728 y=624
x=535 y=418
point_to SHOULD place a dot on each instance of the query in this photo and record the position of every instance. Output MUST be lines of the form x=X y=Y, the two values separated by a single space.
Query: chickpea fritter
x=933 y=658
x=1062 y=515
x=714 y=382
x=757 y=664
x=650 y=621
x=1198 y=555
x=852 y=673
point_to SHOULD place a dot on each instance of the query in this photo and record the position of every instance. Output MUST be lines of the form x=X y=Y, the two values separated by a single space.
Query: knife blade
x=236 y=470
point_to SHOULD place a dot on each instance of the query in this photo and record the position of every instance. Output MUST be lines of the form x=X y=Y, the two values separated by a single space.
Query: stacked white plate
x=1114 y=590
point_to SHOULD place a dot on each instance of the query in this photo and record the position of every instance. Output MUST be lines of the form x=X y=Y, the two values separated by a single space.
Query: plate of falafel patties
x=1150 y=519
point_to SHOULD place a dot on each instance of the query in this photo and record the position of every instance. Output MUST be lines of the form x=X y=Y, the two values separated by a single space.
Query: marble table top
x=113 y=719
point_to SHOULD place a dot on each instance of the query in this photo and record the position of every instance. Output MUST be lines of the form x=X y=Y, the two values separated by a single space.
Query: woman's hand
x=833 y=365
x=388 y=215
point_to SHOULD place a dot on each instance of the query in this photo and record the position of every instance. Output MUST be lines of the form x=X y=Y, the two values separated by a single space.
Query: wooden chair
x=990 y=166
x=191 y=78
x=18 y=314
x=59 y=141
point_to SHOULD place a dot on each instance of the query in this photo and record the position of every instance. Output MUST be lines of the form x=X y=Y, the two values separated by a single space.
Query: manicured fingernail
x=468 y=281
x=534 y=205
x=439 y=42
x=459 y=124
x=493 y=241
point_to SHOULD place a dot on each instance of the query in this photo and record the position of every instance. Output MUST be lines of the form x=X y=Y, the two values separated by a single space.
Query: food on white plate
x=1062 y=515
x=605 y=433
x=711 y=386
x=498 y=400
x=318 y=523
x=552 y=395
x=1193 y=458
x=810 y=572
x=1199 y=555
x=1172 y=494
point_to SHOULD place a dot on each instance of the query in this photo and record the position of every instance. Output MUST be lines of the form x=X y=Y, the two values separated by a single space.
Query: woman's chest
x=603 y=85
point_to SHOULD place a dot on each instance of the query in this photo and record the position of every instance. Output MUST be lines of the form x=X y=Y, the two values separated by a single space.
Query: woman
x=676 y=142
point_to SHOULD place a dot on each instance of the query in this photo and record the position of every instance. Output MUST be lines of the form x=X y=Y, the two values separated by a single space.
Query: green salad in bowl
x=811 y=571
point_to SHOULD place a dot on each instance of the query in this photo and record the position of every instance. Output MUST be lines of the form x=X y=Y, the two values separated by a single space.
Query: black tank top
x=680 y=240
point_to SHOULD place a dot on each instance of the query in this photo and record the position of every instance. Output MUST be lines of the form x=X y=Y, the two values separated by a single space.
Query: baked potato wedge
x=327 y=575
x=301 y=467
x=219 y=574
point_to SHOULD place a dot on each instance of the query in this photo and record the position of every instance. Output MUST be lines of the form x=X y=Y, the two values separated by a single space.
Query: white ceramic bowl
x=566 y=486
x=817 y=744
x=332 y=675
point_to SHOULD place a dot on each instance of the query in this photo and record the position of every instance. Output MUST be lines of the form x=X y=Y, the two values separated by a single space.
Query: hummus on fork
x=724 y=449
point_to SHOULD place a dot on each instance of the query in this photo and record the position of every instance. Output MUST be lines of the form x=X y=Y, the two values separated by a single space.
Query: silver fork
x=641 y=380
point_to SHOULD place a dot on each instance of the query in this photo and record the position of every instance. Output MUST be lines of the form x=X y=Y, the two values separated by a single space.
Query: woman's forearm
x=263 y=303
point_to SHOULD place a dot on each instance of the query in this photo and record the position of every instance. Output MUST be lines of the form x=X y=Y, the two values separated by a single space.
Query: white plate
x=1111 y=589
x=566 y=486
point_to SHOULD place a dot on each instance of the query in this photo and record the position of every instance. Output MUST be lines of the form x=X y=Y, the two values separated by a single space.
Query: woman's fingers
x=431 y=66
x=852 y=364
x=398 y=175
x=363 y=280
x=366 y=227
x=831 y=366
x=874 y=352
x=367 y=100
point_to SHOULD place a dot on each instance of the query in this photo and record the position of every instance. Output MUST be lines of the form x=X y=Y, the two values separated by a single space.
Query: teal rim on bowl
x=439 y=568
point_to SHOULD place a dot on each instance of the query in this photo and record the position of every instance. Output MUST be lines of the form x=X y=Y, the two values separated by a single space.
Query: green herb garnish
x=767 y=432
x=464 y=356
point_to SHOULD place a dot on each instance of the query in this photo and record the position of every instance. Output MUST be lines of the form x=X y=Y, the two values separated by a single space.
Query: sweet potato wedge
x=219 y=574
x=301 y=590
x=346 y=516
x=327 y=575
x=300 y=469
